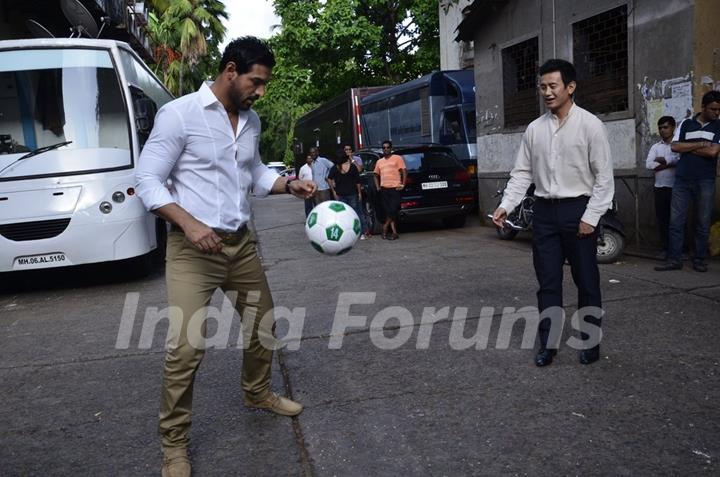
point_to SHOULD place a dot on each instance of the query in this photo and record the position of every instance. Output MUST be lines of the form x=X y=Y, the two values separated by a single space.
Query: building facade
x=454 y=55
x=636 y=61
x=122 y=20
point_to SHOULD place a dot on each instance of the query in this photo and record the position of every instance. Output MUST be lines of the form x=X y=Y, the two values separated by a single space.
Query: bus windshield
x=50 y=96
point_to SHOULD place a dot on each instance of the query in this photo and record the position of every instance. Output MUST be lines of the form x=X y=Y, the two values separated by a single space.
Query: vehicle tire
x=506 y=233
x=374 y=223
x=142 y=266
x=610 y=246
x=455 y=222
x=158 y=255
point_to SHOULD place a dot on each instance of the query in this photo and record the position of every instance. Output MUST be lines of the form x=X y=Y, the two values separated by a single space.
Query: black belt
x=561 y=200
x=227 y=237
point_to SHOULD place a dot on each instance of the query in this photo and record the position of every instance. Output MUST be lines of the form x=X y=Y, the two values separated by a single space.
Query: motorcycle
x=610 y=237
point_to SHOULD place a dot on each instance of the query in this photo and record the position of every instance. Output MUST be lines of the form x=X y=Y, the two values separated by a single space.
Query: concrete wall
x=451 y=51
x=661 y=80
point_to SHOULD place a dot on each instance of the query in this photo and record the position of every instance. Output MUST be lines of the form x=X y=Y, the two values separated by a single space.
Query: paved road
x=75 y=404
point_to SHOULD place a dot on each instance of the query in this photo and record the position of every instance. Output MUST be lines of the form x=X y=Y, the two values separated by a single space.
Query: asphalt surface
x=439 y=403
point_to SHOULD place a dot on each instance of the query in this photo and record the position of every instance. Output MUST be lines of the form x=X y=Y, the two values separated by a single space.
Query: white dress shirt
x=564 y=159
x=665 y=177
x=212 y=169
x=305 y=173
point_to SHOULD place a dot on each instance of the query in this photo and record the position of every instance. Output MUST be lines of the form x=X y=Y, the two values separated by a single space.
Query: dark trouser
x=390 y=202
x=663 y=198
x=322 y=196
x=555 y=228
x=702 y=191
x=354 y=202
x=309 y=204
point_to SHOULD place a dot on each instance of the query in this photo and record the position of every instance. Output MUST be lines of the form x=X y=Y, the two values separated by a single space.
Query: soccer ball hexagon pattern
x=332 y=227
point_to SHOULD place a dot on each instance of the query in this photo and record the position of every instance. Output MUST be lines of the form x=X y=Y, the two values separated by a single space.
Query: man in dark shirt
x=697 y=141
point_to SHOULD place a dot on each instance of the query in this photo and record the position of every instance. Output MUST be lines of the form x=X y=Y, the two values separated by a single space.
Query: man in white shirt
x=207 y=144
x=662 y=160
x=566 y=154
x=305 y=174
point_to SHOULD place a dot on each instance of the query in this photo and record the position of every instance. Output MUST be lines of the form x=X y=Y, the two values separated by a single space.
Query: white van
x=74 y=115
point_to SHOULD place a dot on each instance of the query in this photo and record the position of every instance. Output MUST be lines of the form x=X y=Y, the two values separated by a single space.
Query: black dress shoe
x=700 y=267
x=590 y=355
x=667 y=266
x=544 y=357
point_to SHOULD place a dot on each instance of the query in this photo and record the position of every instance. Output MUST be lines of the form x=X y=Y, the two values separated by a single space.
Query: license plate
x=39 y=261
x=434 y=185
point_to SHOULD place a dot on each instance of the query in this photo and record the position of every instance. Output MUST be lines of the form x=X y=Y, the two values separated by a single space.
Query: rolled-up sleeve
x=601 y=165
x=158 y=157
x=263 y=178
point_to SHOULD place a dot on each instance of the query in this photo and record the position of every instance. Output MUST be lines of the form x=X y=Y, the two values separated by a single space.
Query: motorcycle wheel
x=610 y=246
x=371 y=216
x=506 y=233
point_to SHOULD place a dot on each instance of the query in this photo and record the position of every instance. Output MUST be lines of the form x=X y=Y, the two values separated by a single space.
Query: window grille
x=600 y=53
x=520 y=70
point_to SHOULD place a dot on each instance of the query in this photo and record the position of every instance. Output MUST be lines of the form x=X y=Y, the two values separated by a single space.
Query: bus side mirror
x=145 y=110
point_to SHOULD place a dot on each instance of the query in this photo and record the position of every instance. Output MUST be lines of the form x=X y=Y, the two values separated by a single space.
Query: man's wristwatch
x=287 y=186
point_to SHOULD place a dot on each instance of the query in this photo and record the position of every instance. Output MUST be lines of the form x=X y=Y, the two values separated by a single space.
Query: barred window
x=600 y=53
x=520 y=70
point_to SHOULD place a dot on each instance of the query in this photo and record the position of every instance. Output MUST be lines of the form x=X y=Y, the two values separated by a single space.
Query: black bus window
x=471 y=125
x=452 y=130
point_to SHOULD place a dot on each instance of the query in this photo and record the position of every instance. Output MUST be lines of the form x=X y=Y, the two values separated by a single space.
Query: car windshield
x=53 y=95
x=429 y=160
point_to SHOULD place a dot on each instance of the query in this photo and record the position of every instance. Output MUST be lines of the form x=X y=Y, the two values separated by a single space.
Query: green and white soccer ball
x=332 y=227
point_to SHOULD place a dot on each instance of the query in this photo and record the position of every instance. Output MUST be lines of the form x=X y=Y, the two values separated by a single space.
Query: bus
x=331 y=125
x=438 y=108
x=74 y=116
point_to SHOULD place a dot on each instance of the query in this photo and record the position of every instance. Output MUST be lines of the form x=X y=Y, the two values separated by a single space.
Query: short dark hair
x=245 y=52
x=387 y=141
x=566 y=69
x=711 y=97
x=666 y=119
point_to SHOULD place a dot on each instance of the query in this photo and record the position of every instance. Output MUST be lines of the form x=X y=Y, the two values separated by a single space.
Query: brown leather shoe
x=277 y=404
x=176 y=463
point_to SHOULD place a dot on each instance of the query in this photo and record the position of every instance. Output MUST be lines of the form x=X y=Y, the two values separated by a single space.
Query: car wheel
x=455 y=222
x=610 y=246
x=158 y=255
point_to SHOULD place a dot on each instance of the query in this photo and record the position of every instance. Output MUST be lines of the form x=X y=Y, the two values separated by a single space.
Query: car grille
x=41 y=229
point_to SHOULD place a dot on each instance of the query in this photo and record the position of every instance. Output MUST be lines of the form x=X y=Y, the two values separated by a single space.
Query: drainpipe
x=553 y=29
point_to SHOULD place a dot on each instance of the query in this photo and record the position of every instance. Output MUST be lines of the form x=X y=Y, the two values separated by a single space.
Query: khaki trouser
x=192 y=277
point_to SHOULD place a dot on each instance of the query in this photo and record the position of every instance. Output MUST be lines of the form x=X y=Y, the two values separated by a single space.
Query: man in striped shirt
x=698 y=142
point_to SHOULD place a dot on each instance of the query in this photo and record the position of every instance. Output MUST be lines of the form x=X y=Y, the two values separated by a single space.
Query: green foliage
x=325 y=47
x=186 y=35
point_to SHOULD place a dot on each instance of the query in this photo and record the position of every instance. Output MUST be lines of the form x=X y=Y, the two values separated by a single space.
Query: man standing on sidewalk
x=697 y=141
x=662 y=160
x=566 y=154
x=305 y=174
x=207 y=144
x=390 y=176
x=320 y=169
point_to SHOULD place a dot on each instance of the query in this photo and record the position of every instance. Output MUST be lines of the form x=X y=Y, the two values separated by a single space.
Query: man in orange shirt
x=390 y=173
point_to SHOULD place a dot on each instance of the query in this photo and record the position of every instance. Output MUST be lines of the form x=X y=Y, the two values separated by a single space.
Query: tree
x=186 y=33
x=324 y=47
